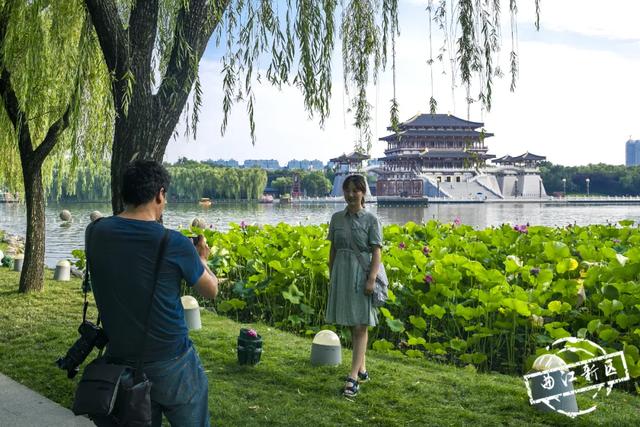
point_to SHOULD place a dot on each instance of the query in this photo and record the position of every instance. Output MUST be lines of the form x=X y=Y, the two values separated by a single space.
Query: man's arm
x=207 y=284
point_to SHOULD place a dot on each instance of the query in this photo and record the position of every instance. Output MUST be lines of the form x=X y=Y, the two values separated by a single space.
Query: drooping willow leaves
x=44 y=56
x=287 y=42
x=303 y=32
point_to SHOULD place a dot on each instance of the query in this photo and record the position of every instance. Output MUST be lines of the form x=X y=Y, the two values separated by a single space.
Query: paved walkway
x=23 y=407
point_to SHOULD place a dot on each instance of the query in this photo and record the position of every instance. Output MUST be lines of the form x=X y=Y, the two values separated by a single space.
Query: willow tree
x=50 y=80
x=152 y=49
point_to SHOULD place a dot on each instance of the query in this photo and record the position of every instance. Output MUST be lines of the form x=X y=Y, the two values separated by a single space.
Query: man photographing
x=122 y=250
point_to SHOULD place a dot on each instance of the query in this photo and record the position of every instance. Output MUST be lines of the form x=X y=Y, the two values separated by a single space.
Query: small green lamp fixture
x=249 y=347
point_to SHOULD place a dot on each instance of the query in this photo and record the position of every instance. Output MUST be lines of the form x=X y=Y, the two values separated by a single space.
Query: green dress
x=348 y=305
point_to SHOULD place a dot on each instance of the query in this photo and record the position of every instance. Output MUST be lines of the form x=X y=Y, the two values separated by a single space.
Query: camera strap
x=86 y=280
x=163 y=244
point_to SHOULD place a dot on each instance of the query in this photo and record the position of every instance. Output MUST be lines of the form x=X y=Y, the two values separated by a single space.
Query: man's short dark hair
x=142 y=180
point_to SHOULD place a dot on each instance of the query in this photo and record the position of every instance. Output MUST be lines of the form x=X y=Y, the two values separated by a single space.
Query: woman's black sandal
x=363 y=377
x=352 y=390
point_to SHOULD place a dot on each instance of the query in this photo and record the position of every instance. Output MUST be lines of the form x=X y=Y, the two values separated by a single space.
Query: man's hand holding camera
x=207 y=285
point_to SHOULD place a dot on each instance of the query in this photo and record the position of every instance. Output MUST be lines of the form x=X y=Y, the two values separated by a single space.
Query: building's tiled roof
x=503 y=159
x=351 y=157
x=472 y=134
x=430 y=155
x=526 y=157
x=437 y=120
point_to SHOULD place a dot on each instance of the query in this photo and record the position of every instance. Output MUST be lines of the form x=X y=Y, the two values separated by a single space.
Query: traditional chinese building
x=435 y=155
x=519 y=176
x=345 y=165
x=443 y=157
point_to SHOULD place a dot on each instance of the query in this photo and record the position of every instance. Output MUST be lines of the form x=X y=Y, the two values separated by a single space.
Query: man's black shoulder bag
x=112 y=394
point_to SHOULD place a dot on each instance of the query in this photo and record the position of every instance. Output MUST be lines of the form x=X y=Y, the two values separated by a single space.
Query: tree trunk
x=145 y=124
x=135 y=138
x=32 y=276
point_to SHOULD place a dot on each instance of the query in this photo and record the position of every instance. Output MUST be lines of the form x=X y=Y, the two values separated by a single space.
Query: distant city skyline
x=575 y=101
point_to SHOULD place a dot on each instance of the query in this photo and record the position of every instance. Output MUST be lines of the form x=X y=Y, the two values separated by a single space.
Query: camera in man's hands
x=195 y=240
x=90 y=336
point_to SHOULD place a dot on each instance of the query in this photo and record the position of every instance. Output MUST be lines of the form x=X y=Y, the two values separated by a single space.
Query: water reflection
x=61 y=240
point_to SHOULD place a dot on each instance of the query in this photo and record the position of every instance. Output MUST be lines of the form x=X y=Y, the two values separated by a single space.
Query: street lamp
x=564 y=187
x=439 y=179
x=587 y=181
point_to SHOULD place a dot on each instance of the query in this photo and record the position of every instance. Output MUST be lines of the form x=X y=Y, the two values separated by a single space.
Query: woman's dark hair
x=142 y=180
x=358 y=182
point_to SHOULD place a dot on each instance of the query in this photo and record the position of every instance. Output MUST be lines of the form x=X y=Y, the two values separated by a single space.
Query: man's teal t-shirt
x=122 y=256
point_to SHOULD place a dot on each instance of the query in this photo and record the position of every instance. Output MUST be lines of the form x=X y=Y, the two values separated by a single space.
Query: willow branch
x=194 y=26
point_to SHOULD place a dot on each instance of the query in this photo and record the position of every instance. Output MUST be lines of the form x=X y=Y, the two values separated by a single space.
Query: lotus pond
x=492 y=298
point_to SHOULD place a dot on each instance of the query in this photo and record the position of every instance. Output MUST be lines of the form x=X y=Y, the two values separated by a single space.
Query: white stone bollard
x=199 y=223
x=65 y=215
x=326 y=349
x=191 y=312
x=95 y=215
x=18 y=260
x=63 y=271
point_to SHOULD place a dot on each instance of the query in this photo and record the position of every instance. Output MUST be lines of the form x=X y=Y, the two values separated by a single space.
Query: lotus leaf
x=458 y=344
x=436 y=310
x=557 y=333
x=232 y=304
x=293 y=295
x=467 y=312
x=294 y=319
x=608 y=334
x=520 y=307
x=555 y=251
x=610 y=292
x=608 y=307
x=395 y=325
x=418 y=322
x=417 y=341
x=594 y=325
x=512 y=264
x=567 y=264
x=559 y=307
x=475 y=358
x=632 y=351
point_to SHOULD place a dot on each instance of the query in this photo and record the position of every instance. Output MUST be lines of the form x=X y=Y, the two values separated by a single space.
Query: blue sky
x=577 y=100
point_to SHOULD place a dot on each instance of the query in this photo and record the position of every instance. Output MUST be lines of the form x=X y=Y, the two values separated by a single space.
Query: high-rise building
x=632 y=152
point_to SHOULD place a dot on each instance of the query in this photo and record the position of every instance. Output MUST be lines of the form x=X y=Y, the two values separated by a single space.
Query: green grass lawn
x=284 y=389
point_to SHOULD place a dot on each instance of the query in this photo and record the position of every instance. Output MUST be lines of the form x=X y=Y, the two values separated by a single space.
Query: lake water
x=61 y=240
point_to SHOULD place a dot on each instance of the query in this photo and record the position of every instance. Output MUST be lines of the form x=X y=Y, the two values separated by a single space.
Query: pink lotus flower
x=457 y=221
x=401 y=245
x=428 y=279
x=243 y=224
x=426 y=251
x=252 y=333
x=521 y=229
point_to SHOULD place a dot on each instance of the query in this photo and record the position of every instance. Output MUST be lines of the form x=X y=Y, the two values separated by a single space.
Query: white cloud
x=611 y=19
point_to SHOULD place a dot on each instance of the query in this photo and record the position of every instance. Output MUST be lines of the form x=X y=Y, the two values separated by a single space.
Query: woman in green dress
x=349 y=303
